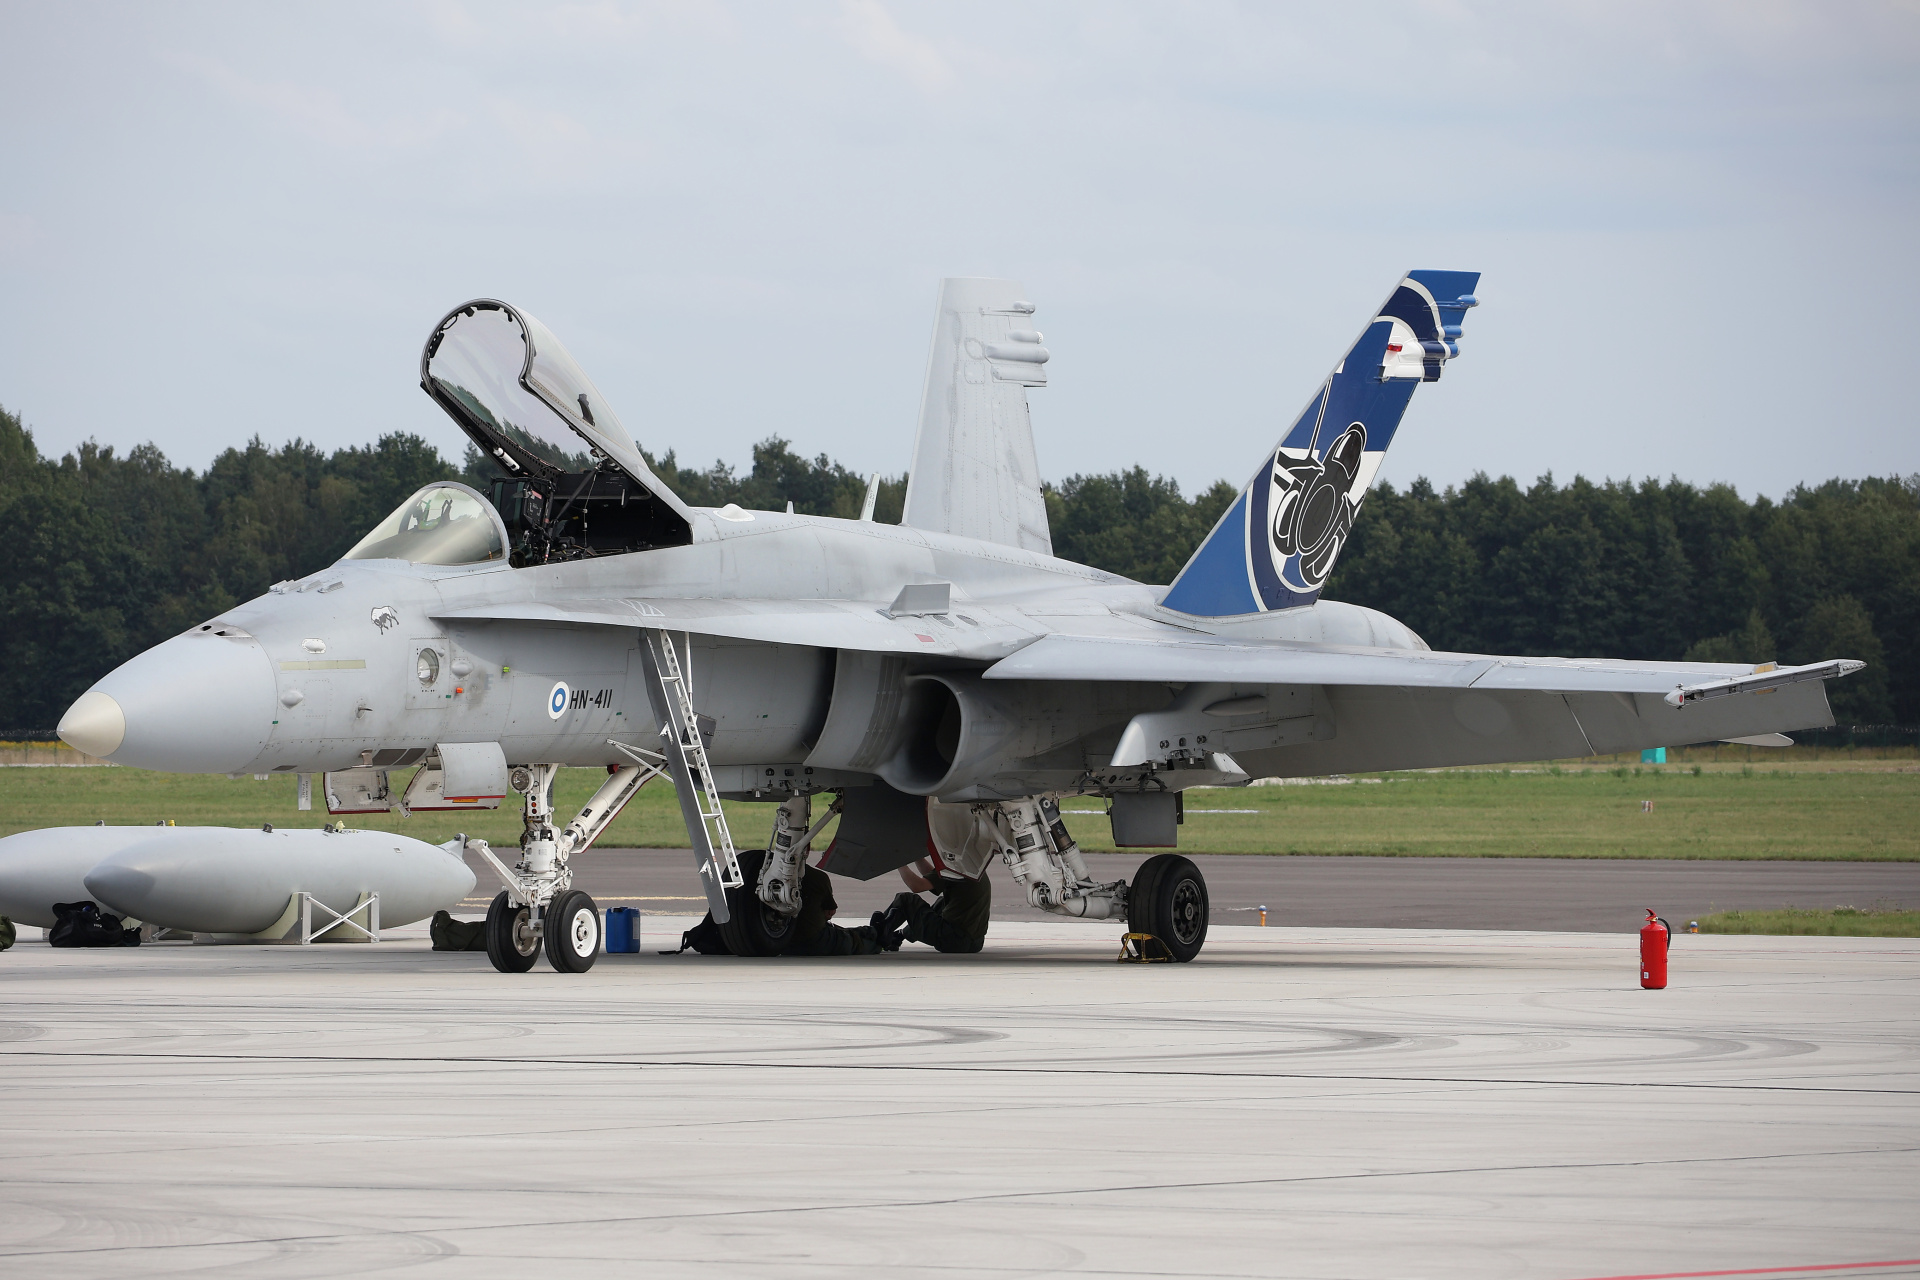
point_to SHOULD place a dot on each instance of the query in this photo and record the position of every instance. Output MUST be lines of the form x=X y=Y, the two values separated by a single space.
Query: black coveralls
x=815 y=935
x=956 y=921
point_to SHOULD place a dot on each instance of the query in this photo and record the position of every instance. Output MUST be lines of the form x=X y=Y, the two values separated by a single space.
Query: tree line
x=109 y=554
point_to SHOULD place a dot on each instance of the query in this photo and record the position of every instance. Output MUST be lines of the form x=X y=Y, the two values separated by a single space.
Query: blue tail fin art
x=1278 y=542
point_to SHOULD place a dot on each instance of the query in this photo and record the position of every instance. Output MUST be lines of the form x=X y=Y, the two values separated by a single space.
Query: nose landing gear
x=539 y=904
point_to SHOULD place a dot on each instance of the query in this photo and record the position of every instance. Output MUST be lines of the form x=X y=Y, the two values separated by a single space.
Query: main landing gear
x=754 y=926
x=763 y=909
x=1167 y=899
x=755 y=896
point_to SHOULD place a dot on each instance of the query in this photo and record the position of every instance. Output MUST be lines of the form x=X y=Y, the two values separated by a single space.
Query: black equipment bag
x=82 y=924
x=449 y=934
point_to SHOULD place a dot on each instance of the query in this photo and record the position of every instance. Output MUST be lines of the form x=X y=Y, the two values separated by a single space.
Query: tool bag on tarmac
x=7 y=934
x=704 y=938
x=82 y=924
x=449 y=934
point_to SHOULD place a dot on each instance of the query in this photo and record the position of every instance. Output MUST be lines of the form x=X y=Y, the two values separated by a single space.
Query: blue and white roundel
x=557 y=700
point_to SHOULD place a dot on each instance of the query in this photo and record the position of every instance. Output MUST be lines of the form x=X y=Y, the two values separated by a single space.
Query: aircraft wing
x=1402 y=708
x=1067 y=657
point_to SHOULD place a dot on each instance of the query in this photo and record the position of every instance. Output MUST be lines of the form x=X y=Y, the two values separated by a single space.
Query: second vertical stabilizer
x=974 y=472
x=1278 y=542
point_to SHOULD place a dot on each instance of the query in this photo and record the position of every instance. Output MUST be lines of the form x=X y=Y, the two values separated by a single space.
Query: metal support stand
x=686 y=757
x=294 y=928
x=368 y=906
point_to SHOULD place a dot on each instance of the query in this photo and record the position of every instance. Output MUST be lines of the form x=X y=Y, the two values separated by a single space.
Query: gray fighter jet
x=938 y=684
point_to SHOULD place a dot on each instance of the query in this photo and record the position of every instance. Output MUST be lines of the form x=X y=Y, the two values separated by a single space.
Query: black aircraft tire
x=510 y=944
x=754 y=928
x=1140 y=894
x=572 y=932
x=1168 y=899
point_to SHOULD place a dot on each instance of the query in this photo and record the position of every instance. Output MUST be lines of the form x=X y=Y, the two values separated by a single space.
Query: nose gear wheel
x=572 y=931
x=512 y=944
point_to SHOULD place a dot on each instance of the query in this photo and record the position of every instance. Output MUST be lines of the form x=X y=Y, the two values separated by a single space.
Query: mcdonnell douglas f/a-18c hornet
x=936 y=684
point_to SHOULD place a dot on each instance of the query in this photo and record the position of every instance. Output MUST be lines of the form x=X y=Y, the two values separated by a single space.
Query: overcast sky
x=1696 y=222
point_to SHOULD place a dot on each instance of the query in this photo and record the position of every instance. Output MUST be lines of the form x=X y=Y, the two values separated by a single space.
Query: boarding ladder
x=672 y=697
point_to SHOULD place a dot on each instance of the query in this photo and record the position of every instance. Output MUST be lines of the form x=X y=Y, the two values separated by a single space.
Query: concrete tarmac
x=1296 y=1103
x=1575 y=894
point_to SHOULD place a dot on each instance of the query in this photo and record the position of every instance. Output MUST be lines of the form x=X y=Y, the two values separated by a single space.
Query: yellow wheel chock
x=1133 y=949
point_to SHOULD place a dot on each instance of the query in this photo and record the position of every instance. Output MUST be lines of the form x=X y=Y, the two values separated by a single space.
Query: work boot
x=887 y=938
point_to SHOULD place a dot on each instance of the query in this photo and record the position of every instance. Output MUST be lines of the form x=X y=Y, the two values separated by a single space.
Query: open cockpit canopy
x=528 y=405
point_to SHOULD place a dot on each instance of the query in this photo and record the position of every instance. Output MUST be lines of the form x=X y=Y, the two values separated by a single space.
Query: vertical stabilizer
x=1278 y=542
x=974 y=472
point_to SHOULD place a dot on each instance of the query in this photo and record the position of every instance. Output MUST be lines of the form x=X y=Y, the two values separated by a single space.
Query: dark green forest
x=108 y=554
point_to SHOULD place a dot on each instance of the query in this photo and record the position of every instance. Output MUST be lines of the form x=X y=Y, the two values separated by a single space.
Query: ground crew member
x=815 y=934
x=954 y=922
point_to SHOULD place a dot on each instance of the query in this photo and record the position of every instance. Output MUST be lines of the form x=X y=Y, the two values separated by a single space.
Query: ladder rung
x=693 y=749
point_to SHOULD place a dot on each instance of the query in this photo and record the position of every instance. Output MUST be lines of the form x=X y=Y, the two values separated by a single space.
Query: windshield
x=441 y=524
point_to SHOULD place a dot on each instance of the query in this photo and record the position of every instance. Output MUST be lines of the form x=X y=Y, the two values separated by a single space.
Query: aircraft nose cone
x=192 y=704
x=95 y=724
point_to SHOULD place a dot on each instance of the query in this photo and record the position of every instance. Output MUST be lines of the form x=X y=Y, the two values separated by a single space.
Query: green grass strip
x=1857 y=815
x=1840 y=922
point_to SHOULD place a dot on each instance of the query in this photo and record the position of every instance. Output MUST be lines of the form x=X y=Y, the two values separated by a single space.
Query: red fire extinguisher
x=1654 y=936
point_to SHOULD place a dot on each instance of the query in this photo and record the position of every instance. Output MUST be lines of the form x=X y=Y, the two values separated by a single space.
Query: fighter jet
x=937 y=685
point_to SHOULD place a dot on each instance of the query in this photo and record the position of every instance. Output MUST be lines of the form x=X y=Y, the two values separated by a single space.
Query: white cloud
x=319 y=113
x=19 y=234
x=736 y=214
x=871 y=30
